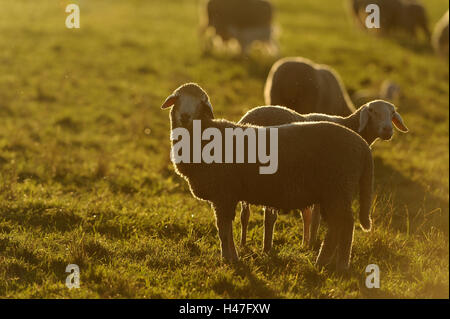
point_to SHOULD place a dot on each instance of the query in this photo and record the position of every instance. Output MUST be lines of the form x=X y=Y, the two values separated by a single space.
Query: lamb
x=389 y=91
x=306 y=87
x=405 y=15
x=246 y=21
x=318 y=163
x=372 y=121
x=440 y=36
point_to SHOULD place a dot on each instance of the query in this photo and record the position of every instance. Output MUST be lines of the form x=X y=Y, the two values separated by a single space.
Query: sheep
x=372 y=121
x=440 y=36
x=306 y=87
x=331 y=160
x=246 y=21
x=405 y=15
x=389 y=91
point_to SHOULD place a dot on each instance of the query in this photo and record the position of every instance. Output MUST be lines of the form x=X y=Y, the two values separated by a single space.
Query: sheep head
x=378 y=116
x=188 y=102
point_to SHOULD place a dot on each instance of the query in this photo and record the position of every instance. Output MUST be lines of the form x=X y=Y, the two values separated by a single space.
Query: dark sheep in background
x=307 y=87
x=246 y=21
x=405 y=15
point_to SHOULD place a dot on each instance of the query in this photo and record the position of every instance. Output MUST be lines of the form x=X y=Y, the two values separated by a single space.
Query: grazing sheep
x=372 y=121
x=318 y=163
x=306 y=87
x=440 y=36
x=389 y=91
x=405 y=15
x=246 y=21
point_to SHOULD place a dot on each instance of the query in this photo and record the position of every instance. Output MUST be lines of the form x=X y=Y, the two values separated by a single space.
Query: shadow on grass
x=256 y=288
x=424 y=209
x=42 y=215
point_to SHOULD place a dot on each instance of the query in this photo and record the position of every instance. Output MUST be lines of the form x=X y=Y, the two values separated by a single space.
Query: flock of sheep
x=324 y=141
x=252 y=20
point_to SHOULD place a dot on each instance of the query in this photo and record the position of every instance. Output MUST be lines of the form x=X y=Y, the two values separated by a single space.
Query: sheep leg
x=245 y=216
x=306 y=215
x=315 y=223
x=245 y=42
x=270 y=217
x=245 y=47
x=231 y=246
x=224 y=220
x=330 y=242
x=345 y=242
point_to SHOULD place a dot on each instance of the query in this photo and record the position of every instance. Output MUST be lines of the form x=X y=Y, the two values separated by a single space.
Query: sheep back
x=240 y=14
x=317 y=163
x=306 y=87
x=271 y=116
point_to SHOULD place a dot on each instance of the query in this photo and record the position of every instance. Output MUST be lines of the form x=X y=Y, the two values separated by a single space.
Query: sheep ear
x=398 y=123
x=363 y=118
x=170 y=101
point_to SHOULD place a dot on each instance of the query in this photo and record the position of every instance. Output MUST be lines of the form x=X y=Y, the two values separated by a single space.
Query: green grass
x=85 y=175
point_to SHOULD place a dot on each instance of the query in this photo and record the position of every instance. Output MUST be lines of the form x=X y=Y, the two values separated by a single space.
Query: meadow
x=86 y=178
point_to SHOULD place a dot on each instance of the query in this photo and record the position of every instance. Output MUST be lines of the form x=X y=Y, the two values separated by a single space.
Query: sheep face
x=189 y=102
x=378 y=116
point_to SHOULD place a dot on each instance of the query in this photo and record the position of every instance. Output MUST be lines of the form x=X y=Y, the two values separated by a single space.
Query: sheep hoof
x=230 y=261
x=314 y=245
x=267 y=249
x=319 y=266
x=343 y=270
x=321 y=263
x=230 y=258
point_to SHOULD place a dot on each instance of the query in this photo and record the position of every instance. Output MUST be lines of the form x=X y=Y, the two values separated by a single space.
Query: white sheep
x=318 y=163
x=307 y=87
x=371 y=121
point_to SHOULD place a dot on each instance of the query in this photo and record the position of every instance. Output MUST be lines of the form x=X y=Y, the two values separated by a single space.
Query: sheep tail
x=365 y=193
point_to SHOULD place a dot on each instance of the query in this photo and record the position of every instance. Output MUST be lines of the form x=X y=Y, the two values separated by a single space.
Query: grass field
x=85 y=176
